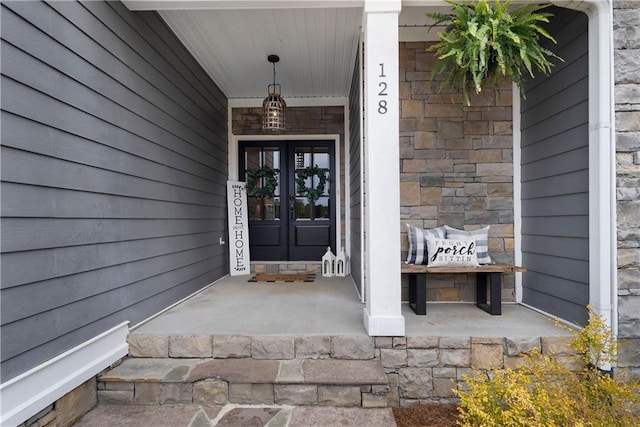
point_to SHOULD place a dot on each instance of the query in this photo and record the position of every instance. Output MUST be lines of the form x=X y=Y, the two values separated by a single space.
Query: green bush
x=546 y=392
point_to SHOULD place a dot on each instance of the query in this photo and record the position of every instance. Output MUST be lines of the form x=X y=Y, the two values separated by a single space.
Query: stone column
x=382 y=315
x=626 y=29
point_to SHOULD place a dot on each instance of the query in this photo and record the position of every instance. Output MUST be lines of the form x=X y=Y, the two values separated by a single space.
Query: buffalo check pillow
x=418 y=244
x=481 y=237
x=452 y=252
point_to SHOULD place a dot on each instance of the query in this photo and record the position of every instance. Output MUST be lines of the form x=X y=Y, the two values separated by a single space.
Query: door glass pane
x=306 y=181
x=303 y=208
x=321 y=158
x=255 y=210
x=311 y=163
x=322 y=208
x=252 y=158
x=276 y=208
x=303 y=157
x=327 y=184
x=262 y=175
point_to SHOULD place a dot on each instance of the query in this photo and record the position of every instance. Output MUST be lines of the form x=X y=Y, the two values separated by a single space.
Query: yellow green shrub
x=545 y=392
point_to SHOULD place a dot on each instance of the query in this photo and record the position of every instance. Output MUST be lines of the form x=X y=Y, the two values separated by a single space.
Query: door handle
x=292 y=206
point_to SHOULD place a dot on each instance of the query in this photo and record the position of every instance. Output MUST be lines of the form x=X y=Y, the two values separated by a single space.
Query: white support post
x=383 y=311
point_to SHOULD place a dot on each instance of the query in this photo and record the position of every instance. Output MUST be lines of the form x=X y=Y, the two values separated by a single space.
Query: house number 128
x=382 y=103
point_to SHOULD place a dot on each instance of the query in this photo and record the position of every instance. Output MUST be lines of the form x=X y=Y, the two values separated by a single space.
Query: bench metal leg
x=494 y=305
x=418 y=293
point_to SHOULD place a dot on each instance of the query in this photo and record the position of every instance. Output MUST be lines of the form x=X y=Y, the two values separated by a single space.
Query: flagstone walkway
x=233 y=415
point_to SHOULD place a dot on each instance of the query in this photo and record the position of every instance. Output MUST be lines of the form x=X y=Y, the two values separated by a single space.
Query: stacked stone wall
x=626 y=23
x=67 y=410
x=424 y=369
x=456 y=164
x=419 y=369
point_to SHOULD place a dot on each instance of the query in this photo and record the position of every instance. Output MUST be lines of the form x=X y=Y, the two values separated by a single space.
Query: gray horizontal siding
x=555 y=176
x=120 y=155
x=114 y=169
x=24 y=267
x=355 y=170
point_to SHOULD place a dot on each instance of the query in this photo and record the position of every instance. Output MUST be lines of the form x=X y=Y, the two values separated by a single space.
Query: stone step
x=276 y=347
x=328 y=382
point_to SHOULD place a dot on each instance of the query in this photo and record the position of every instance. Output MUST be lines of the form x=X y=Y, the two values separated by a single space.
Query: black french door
x=296 y=220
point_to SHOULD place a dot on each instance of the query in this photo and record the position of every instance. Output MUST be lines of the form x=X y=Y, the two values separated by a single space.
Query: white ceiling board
x=315 y=39
x=317 y=48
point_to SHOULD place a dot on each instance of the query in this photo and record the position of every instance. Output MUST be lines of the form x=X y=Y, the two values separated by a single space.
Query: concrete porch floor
x=328 y=306
x=295 y=327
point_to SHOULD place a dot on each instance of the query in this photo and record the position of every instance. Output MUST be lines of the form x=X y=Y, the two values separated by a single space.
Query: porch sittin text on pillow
x=463 y=250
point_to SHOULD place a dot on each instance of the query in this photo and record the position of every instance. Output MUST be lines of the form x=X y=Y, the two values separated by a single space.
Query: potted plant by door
x=485 y=41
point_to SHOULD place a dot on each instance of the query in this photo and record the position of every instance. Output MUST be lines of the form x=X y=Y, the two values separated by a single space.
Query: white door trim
x=233 y=168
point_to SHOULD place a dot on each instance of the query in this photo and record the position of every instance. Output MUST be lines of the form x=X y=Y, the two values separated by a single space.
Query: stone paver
x=140 y=416
x=237 y=370
x=334 y=371
x=225 y=346
x=273 y=347
x=290 y=371
x=230 y=415
x=150 y=370
x=211 y=391
x=249 y=417
x=339 y=396
x=313 y=347
x=295 y=394
x=353 y=347
x=190 y=346
x=146 y=345
x=251 y=394
x=330 y=416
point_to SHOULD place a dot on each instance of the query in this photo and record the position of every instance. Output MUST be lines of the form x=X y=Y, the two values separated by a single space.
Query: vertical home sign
x=239 y=262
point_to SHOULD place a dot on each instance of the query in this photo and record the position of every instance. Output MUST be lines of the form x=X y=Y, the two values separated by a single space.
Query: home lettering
x=238 y=228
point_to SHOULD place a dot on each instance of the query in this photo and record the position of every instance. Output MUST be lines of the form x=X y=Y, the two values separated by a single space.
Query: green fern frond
x=484 y=41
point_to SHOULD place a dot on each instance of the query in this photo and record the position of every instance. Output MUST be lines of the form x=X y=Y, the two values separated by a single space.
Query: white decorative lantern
x=328 y=263
x=341 y=264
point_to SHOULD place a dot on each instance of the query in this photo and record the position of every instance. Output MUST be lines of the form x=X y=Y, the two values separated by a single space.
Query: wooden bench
x=489 y=275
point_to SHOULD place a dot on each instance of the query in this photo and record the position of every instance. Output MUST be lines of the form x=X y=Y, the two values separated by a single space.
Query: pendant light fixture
x=273 y=105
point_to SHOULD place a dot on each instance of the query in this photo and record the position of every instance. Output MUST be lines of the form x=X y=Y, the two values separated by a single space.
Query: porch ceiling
x=316 y=41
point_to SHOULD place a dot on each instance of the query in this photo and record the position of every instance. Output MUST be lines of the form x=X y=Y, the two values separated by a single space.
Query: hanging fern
x=483 y=42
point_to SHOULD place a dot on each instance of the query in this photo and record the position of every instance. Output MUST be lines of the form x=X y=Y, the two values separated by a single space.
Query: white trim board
x=29 y=393
x=338 y=101
x=603 y=278
x=517 y=187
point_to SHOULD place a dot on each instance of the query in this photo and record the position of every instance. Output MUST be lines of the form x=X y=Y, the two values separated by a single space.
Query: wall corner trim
x=32 y=391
